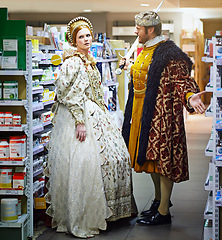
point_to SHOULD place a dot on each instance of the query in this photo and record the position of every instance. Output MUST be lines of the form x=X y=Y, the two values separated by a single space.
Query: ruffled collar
x=90 y=60
x=154 y=41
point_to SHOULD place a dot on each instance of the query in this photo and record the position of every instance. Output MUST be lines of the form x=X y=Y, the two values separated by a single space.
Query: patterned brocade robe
x=160 y=145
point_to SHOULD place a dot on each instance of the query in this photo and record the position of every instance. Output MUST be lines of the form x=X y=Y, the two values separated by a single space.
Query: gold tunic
x=139 y=71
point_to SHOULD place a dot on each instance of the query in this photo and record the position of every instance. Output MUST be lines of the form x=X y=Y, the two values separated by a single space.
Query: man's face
x=144 y=35
x=141 y=33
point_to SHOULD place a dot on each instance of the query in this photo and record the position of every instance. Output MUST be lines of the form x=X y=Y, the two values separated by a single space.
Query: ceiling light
x=144 y=5
x=87 y=10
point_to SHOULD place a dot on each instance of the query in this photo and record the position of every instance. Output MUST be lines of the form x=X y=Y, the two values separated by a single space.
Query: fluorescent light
x=144 y=5
x=87 y=10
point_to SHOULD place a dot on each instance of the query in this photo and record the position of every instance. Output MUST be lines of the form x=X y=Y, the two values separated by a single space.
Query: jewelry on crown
x=75 y=23
x=147 y=19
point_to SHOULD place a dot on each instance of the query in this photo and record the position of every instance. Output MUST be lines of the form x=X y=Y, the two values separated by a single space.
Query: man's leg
x=156 y=181
x=156 y=202
x=166 y=187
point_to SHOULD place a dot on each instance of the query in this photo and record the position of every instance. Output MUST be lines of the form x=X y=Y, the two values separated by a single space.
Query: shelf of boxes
x=25 y=222
x=13 y=102
x=213 y=148
x=37 y=90
x=13 y=162
x=20 y=128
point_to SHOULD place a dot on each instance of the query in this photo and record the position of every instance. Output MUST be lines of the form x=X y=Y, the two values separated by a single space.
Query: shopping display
x=214 y=148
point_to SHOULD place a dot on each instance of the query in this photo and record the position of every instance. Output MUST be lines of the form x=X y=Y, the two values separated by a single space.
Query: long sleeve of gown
x=71 y=85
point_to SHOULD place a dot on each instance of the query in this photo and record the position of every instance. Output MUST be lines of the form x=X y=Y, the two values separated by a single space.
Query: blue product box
x=96 y=49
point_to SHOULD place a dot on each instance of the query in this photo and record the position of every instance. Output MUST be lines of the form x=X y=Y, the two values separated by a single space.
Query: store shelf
x=47 y=123
x=208 y=150
x=107 y=60
x=218 y=161
x=13 y=102
x=38 y=172
x=38 y=149
x=13 y=128
x=37 y=72
x=17 y=224
x=44 y=83
x=48 y=102
x=207 y=59
x=208 y=212
x=37 y=107
x=209 y=89
x=11 y=191
x=12 y=73
x=37 y=128
x=13 y=162
x=208 y=112
x=208 y=186
x=37 y=90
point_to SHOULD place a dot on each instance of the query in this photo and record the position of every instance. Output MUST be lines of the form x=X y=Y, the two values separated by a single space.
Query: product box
x=19 y=178
x=17 y=147
x=18 y=181
x=96 y=49
x=40 y=203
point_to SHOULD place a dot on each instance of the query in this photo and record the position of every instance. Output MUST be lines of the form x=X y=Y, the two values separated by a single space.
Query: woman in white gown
x=88 y=163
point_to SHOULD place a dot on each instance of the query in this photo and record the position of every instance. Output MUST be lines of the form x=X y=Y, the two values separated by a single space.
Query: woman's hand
x=196 y=103
x=81 y=132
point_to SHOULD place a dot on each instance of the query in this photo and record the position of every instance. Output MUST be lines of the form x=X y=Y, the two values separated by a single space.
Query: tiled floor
x=189 y=198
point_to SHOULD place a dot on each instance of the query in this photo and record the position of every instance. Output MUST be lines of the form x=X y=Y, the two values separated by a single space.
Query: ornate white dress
x=89 y=182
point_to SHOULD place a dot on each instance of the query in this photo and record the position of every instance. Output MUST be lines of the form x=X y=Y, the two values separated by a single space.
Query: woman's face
x=83 y=40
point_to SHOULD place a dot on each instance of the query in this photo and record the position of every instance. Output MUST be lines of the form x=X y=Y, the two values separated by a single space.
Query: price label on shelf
x=13 y=192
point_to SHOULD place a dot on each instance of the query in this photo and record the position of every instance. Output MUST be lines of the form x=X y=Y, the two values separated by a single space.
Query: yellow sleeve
x=188 y=95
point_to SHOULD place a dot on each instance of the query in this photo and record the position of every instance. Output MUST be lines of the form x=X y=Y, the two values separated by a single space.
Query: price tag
x=13 y=192
x=56 y=60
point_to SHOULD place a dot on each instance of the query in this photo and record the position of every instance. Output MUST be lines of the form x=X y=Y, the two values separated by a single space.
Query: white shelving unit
x=216 y=89
x=25 y=222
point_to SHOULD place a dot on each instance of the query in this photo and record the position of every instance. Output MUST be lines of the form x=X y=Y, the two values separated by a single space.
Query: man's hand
x=196 y=103
x=81 y=132
x=122 y=62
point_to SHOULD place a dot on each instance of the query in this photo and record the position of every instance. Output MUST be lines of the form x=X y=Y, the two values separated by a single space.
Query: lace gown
x=90 y=181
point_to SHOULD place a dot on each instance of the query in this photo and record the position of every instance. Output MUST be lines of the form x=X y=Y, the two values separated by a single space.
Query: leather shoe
x=154 y=208
x=156 y=219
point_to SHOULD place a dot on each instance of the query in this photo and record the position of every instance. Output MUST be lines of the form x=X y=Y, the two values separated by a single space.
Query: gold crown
x=147 y=19
x=75 y=23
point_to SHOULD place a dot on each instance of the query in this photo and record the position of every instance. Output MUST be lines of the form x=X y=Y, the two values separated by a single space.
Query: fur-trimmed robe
x=162 y=135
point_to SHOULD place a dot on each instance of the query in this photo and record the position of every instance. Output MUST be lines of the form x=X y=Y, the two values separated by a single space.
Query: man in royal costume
x=153 y=126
